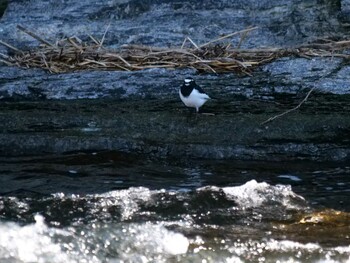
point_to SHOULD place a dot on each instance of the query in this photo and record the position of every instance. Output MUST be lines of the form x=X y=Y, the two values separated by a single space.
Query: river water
x=114 y=207
x=60 y=204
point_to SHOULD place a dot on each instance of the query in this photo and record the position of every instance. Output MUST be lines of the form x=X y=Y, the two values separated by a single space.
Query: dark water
x=115 y=207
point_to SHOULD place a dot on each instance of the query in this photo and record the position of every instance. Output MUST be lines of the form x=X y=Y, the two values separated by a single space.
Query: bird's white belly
x=195 y=99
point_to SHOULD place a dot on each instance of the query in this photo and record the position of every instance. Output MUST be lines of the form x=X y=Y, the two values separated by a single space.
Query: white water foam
x=145 y=242
x=30 y=243
x=287 y=245
x=126 y=199
x=288 y=251
x=149 y=238
x=116 y=242
x=254 y=194
x=248 y=195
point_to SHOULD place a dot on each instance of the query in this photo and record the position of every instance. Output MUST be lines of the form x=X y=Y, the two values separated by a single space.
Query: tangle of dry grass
x=72 y=54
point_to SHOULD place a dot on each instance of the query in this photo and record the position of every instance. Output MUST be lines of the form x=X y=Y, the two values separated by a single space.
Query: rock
x=38 y=84
x=140 y=111
x=283 y=76
x=164 y=128
x=167 y=23
x=3 y=6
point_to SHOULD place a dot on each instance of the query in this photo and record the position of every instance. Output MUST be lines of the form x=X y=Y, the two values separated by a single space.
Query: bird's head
x=188 y=81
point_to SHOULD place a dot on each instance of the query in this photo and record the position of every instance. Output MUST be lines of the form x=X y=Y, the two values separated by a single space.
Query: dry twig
x=229 y=35
x=103 y=37
x=290 y=110
x=10 y=47
x=27 y=31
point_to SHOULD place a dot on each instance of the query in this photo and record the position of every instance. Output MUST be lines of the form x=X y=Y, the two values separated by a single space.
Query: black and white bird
x=192 y=95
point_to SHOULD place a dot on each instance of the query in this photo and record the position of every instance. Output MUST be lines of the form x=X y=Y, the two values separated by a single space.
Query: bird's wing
x=200 y=90
x=197 y=94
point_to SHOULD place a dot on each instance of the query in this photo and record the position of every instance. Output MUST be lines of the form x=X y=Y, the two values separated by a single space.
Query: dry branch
x=27 y=31
x=10 y=46
x=229 y=35
x=290 y=110
x=296 y=107
x=104 y=36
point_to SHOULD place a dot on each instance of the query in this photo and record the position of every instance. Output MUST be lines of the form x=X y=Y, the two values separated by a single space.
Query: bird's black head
x=188 y=81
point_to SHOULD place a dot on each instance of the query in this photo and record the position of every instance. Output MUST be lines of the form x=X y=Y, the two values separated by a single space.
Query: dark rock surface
x=283 y=76
x=141 y=112
x=164 y=128
x=3 y=5
x=168 y=22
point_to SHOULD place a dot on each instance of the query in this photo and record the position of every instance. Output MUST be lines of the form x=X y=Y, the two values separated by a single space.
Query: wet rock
x=164 y=129
x=140 y=111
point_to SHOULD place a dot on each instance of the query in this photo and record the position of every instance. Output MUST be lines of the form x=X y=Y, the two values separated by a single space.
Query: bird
x=192 y=95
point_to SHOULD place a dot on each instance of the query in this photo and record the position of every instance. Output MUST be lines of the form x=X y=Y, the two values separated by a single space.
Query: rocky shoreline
x=140 y=112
